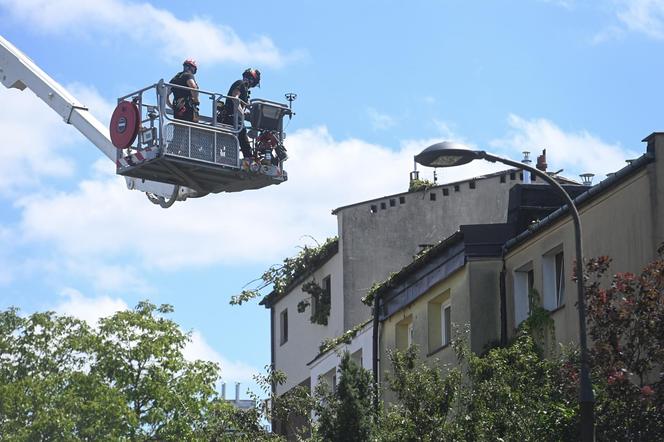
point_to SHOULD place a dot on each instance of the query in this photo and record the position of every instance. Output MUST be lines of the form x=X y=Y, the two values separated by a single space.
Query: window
x=330 y=378
x=502 y=178
x=439 y=319
x=383 y=206
x=357 y=357
x=404 y=333
x=446 y=323
x=553 y=279
x=393 y=202
x=512 y=176
x=524 y=281
x=446 y=191
x=321 y=303
x=283 y=326
x=432 y=196
x=402 y=200
x=472 y=184
x=456 y=187
x=374 y=208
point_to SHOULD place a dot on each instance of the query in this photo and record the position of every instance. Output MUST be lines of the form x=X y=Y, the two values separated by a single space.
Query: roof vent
x=587 y=178
x=526 y=173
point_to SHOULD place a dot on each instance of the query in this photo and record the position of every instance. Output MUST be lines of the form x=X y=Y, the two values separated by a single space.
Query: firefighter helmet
x=191 y=63
x=253 y=76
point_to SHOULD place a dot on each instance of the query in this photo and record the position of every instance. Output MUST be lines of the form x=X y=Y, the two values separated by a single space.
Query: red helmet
x=190 y=62
x=253 y=76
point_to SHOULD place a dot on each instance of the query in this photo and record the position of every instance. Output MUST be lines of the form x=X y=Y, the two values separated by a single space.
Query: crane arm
x=18 y=71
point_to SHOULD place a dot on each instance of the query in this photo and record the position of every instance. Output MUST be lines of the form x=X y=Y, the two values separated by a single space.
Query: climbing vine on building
x=320 y=302
x=280 y=278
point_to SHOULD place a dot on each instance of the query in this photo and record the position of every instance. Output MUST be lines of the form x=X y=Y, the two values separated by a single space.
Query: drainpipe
x=503 y=302
x=375 y=351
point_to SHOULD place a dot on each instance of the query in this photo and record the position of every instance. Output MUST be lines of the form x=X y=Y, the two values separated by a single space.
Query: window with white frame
x=439 y=318
x=553 y=279
x=446 y=323
x=524 y=282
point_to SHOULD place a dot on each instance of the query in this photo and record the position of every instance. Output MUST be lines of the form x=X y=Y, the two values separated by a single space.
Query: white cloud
x=231 y=371
x=33 y=142
x=74 y=303
x=105 y=221
x=609 y=33
x=89 y=309
x=640 y=16
x=143 y=23
x=380 y=121
x=576 y=152
x=643 y=16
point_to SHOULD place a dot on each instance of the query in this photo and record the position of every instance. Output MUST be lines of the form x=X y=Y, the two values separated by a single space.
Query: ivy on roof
x=378 y=287
x=280 y=277
x=418 y=184
x=345 y=338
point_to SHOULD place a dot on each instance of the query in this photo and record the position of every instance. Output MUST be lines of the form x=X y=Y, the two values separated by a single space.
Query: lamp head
x=447 y=154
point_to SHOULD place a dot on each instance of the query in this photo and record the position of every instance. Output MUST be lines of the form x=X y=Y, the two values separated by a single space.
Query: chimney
x=526 y=173
x=414 y=175
x=223 y=390
x=541 y=161
x=587 y=178
x=237 y=392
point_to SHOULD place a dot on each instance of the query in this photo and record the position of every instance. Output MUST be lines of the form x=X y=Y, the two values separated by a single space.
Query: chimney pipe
x=541 y=161
x=237 y=392
x=223 y=390
x=587 y=178
x=526 y=173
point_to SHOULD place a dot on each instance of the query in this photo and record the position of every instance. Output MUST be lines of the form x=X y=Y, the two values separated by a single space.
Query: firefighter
x=240 y=89
x=185 y=102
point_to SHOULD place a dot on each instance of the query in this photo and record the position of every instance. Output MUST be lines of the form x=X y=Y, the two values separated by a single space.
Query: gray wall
x=373 y=245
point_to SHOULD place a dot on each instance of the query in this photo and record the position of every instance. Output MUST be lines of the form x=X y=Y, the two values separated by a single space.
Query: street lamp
x=449 y=154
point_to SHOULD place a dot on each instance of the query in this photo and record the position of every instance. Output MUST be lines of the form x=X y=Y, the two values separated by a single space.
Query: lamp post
x=448 y=154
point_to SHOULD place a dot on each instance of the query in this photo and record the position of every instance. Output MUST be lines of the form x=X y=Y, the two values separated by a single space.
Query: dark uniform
x=184 y=107
x=228 y=113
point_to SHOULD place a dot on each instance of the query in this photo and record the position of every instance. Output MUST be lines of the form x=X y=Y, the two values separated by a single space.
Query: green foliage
x=345 y=338
x=512 y=393
x=346 y=414
x=125 y=380
x=280 y=277
x=539 y=322
x=321 y=298
x=425 y=399
x=368 y=299
x=416 y=185
x=626 y=323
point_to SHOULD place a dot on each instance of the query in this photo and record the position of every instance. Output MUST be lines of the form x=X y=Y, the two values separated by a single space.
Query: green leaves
x=125 y=380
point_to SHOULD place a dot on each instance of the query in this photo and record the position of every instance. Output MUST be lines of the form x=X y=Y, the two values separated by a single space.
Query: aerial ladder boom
x=169 y=159
x=18 y=71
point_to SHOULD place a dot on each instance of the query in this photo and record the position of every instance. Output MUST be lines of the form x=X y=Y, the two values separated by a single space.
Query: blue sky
x=377 y=81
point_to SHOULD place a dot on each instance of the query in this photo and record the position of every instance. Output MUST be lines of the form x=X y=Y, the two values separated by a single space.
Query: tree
x=139 y=353
x=125 y=380
x=46 y=391
x=425 y=396
x=626 y=324
x=346 y=414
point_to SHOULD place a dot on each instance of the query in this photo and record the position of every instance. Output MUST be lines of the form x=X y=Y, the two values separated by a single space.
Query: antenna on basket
x=291 y=96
